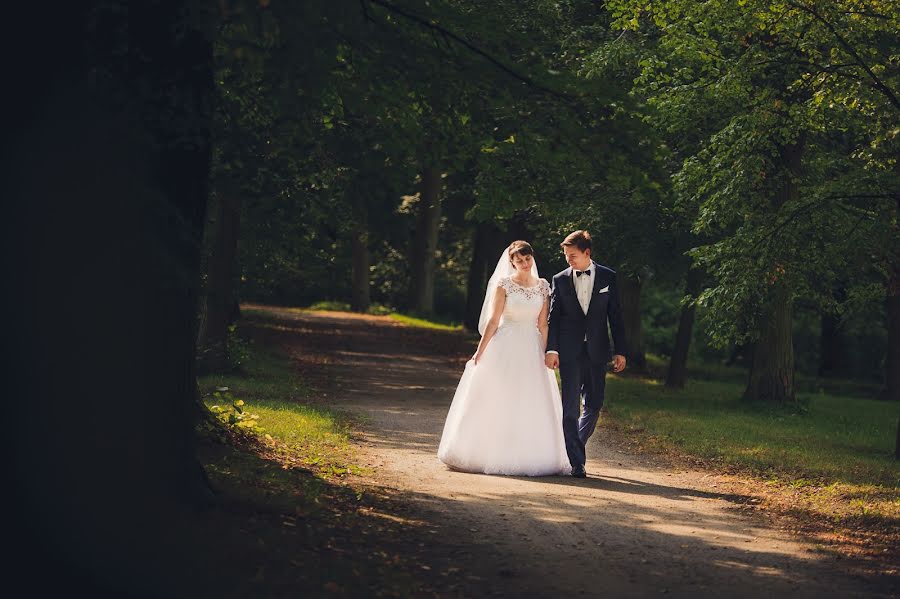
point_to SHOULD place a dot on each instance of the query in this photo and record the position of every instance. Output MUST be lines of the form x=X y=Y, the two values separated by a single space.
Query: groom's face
x=576 y=258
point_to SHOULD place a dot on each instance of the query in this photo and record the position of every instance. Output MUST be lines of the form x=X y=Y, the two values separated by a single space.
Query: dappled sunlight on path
x=630 y=529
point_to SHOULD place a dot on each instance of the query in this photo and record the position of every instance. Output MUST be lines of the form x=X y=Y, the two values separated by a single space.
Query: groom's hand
x=552 y=361
x=618 y=363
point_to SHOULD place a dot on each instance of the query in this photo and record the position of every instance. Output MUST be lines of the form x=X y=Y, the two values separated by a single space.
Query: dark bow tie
x=578 y=273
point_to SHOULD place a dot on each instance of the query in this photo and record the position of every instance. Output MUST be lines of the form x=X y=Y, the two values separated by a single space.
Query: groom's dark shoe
x=578 y=472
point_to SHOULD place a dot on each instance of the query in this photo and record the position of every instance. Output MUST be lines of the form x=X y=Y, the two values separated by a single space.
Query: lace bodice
x=523 y=304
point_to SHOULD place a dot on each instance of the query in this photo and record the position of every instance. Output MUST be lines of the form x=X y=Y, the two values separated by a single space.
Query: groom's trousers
x=583 y=383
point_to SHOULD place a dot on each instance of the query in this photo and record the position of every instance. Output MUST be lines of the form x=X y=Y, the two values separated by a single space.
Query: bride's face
x=523 y=262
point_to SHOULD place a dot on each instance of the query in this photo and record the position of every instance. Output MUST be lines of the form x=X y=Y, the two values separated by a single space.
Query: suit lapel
x=595 y=288
x=569 y=277
x=571 y=283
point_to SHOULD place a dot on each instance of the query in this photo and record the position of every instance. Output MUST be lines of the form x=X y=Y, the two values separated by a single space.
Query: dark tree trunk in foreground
x=221 y=273
x=677 y=374
x=360 y=296
x=424 y=243
x=772 y=370
x=630 y=296
x=106 y=158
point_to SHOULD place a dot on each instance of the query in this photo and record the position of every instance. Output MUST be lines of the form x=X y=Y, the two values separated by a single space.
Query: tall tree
x=676 y=375
x=792 y=73
x=107 y=289
x=424 y=242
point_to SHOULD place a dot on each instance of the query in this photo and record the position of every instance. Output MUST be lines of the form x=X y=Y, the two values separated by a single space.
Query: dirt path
x=632 y=528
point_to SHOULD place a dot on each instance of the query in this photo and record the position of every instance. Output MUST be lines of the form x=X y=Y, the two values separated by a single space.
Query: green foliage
x=330 y=306
x=733 y=86
x=659 y=127
x=660 y=313
x=232 y=413
x=238 y=348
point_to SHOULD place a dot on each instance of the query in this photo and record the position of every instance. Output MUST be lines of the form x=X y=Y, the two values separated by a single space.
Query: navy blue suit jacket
x=569 y=324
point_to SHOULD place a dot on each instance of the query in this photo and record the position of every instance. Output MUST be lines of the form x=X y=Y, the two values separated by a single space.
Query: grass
x=836 y=460
x=334 y=306
x=278 y=402
x=291 y=522
x=423 y=323
x=435 y=323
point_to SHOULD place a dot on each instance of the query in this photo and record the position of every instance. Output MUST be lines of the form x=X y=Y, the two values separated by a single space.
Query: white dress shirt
x=584 y=285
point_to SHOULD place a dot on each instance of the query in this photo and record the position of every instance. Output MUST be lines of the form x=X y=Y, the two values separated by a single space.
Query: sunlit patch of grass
x=426 y=324
x=845 y=442
x=301 y=433
x=840 y=438
x=334 y=306
x=329 y=305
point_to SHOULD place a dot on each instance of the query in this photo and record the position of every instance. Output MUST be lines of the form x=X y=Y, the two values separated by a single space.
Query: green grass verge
x=834 y=464
x=433 y=323
x=423 y=323
x=276 y=403
x=839 y=439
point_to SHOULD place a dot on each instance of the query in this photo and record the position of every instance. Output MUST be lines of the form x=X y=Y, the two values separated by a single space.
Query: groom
x=584 y=298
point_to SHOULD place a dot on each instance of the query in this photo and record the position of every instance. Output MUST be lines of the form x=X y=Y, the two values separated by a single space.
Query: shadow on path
x=629 y=529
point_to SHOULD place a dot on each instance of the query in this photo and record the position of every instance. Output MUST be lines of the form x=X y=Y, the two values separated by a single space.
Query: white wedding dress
x=506 y=415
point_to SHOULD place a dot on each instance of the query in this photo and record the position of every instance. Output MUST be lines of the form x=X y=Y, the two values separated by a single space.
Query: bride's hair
x=523 y=248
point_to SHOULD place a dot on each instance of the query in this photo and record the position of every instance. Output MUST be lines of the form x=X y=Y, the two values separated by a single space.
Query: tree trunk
x=897 y=442
x=892 y=362
x=677 y=374
x=424 y=243
x=105 y=213
x=830 y=346
x=630 y=296
x=221 y=269
x=772 y=370
x=360 y=297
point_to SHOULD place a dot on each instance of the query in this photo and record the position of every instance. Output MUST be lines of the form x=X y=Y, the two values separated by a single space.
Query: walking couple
x=507 y=416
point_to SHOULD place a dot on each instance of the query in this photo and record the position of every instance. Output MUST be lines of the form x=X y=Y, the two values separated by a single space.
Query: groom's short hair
x=580 y=239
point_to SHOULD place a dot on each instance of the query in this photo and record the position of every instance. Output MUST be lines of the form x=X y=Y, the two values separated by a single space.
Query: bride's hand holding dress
x=493 y=323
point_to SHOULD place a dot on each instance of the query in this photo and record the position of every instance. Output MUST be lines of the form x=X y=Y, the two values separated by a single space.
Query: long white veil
x=504 y=269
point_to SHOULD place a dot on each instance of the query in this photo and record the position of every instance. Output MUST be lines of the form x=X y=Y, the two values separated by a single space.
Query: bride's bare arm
x=542 y=325
x=493 y=323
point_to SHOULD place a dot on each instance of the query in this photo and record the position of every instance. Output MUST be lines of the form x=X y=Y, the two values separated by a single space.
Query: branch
x=471 y=47
x=365 y=10
x=856 y=57
x=816 y=201
x=862 y=13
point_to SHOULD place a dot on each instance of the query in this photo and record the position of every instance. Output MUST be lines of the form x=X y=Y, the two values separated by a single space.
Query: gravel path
x=633 y=528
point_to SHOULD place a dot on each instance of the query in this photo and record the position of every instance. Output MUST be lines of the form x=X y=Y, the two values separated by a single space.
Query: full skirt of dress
x=506 y=415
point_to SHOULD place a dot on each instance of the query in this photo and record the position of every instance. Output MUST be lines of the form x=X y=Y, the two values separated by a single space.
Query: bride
x=506 y=415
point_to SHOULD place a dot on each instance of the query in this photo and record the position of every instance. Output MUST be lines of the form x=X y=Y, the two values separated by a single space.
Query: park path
x=633 y=528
